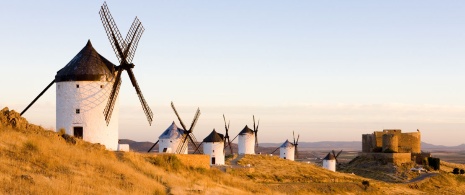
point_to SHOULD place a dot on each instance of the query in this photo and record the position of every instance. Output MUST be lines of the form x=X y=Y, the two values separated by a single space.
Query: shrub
x=462 y=171
x=456 y=171
x=434 y=163
x=389 y=151
x=366 y=184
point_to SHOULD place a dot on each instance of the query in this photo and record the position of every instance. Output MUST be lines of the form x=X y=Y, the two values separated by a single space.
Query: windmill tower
x=88 y=85
x=227 y=142
x=330 y=161
x=170 y=139
x=213 y=145
x=246 y=143
x=287 y=151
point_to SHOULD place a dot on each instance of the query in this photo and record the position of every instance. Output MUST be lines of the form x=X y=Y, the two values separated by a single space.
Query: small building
x=287 y=151
x=214 y=147
x=329 y=162
x=246 y=143
x=83 y=87
x=170 y=139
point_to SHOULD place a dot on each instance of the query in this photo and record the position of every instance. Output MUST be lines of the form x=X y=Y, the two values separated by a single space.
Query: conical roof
x=173 y=132
x=214 y=137
x=287 y=144
x=87 y=65
x=329 y=157
x=246 y=130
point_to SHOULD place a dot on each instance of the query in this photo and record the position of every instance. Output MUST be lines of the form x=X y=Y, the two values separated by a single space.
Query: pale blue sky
x=330 y=70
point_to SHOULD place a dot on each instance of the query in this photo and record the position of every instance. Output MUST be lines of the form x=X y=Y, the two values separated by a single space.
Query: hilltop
x=34 y=160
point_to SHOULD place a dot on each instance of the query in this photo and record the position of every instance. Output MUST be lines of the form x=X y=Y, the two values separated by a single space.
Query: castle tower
x=214 y=147
x=170 y=140
x=82 y=90
x=287 y=151
x=390 y=143
x=246 y=143
x=329 y=162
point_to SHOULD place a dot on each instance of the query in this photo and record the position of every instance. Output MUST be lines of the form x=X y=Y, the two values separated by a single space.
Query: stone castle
x=391 y=145
x=392 y=141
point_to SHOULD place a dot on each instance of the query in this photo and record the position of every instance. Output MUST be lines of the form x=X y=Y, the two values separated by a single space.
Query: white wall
x=214 y=150
x=171 y=145
x=330 y=165
x=287 y=152
x=246 y=144
x=91 y=100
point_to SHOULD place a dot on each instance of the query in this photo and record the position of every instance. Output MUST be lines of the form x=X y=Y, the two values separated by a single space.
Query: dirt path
x=238 y=158
x=422 y=177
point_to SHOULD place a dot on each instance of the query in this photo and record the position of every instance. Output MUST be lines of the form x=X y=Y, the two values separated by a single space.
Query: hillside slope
x=38 y=161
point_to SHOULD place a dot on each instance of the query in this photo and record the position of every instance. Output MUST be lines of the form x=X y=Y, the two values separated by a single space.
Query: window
x=213 y=150
x=101 y=86
x=77 y=85
x=78 y=111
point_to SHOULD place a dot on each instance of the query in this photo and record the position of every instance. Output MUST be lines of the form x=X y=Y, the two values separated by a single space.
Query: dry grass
x=36 y=161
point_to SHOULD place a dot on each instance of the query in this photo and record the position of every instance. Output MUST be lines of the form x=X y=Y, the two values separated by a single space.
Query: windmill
x=188 y=136
x=296 y=143
x=125 y=51
x=227 y=142
x=88 y=85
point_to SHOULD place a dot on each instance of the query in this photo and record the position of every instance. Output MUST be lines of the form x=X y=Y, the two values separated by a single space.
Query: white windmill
x=87 y=87
x=246 y=143
x=213 y=145
x=288 y=150
x=330 y=161
x=170 y=139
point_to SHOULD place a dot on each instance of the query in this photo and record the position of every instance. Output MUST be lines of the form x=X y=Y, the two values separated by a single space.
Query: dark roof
x=329 y=157
x=87 y=65
x=287 y=144
x=246 y=130
x=214 y=137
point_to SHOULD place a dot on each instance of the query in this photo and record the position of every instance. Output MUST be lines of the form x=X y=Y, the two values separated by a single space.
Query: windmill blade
x=177 y=115
x=153 y=145
x=194 y=121
x=256 y=139
x=226 y=127
x=112 y=98
x=230 y=147
x=114 y=36
x=182 y=145
x=338 y=154
x=197 y=148
x=35 y=99
x=298 y=136
x=254 y=128
x=274 y=150
x=293 y=136
x=132 y=39
x=235 y=137
x=145 y=106
x=296 y=152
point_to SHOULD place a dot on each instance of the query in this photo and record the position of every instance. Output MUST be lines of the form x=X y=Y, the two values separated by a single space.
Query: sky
x=328 y=70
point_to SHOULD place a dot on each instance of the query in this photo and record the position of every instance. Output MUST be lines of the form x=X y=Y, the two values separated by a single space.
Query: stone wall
x=406 y=142
x=410 y=142
x=395 y=158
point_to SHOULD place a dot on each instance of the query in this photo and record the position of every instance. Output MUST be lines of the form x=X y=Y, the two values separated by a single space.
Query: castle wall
x=367 y=143
x=395 y=158
x=410 y=142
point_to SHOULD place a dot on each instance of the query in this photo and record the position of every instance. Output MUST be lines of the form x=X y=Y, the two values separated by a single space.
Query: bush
x=462 y=171
x=434 y=163
x=366 y=184
x=456 y=171
x=389 y=151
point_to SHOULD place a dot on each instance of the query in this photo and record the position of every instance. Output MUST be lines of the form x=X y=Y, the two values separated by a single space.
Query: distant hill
x=323 y=145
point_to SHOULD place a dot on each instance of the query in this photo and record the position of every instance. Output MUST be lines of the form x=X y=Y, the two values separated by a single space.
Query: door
x=78 y=132
x=213 y=160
